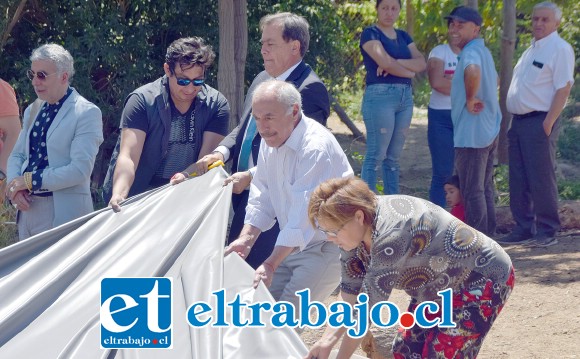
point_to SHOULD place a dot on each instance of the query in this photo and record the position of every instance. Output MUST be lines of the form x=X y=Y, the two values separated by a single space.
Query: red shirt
x=459 y=211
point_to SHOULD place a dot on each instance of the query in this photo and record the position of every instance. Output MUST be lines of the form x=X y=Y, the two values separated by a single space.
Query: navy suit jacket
x=315 y=104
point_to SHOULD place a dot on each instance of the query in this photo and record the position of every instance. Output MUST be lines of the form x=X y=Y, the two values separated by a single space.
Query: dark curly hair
x=189 y=52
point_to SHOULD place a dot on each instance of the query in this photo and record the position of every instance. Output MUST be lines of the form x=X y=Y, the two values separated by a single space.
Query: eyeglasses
x=41 y=75
x=331 y=233
x=186 y=82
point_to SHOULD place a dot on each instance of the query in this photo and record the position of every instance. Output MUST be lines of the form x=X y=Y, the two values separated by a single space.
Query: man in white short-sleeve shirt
x=538 y=92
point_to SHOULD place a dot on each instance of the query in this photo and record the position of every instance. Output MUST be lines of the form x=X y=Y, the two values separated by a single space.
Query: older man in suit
x=50 y=167
x=285 y=40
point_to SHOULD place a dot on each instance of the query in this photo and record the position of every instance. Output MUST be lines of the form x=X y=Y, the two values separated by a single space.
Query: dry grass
x=8 y=229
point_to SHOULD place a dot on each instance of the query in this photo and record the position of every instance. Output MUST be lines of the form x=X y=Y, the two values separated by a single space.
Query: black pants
x=474 y=167
x=532 y=176
x=266 y=241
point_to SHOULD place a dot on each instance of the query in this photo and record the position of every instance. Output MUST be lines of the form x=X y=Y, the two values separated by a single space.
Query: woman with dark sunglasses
x=168 y=124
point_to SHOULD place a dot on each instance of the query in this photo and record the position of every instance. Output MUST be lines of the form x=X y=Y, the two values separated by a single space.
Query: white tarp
x=50 y=284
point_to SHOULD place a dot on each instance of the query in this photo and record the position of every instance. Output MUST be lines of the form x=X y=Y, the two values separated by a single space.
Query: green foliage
x=117 y=46
x=351 y=101
x=331 y=48
x=569 y=142
x=569 y=190
x=120 y=45
x=502 y=187
x=357 y=156
x=421 y=93
x=430 y=15
x=8 y=228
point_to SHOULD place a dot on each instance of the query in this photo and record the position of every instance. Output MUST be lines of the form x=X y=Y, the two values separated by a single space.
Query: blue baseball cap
x=465 y=14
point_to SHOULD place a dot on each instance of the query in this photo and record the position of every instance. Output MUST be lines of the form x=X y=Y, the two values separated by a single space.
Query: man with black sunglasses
x=167 y=125
x=285 y=40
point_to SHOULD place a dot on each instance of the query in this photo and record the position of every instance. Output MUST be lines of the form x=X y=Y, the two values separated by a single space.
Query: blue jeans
x=387 y=111
x=440 y=138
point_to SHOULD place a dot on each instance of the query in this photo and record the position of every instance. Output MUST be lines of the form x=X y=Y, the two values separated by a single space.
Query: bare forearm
x=385 y=61
x=398 y=69
x=558 y=104
x=251 y=232
x=414 y=64
x=437 y=78
x=443 y=85
x=348 y=347
x=210 y=141
x=123 y=177
x=472 y=79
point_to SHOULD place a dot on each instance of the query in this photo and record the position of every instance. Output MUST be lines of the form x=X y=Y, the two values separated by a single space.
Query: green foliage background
x=120 y=45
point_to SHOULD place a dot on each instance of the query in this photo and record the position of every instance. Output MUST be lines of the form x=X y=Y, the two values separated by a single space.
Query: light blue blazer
x=72 y=141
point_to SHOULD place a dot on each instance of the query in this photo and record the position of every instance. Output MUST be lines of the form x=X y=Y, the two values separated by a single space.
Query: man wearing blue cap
x=476 y=118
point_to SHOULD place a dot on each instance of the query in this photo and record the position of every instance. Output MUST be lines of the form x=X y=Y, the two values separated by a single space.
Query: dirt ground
x=542 y=317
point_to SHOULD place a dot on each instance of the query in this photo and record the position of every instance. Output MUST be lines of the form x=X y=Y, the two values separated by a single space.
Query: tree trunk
x=240 y=53
x=410 y=16
x=15 y=18
x=345 y=119
x=233 y=35
x=506 y=58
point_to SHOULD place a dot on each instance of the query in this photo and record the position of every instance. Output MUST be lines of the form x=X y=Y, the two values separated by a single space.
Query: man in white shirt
x=538 y=92
x=296 y=155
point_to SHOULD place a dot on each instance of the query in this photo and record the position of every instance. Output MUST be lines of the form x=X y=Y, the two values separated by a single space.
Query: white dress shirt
x=544 y=68
x=285 y=178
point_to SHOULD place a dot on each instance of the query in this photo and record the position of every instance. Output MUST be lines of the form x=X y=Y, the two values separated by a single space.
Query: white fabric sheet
x=50 y=284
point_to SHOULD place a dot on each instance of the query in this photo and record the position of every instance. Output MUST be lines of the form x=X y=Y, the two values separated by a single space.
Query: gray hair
x=551 y=6
x=294 y=27
x=284 y=92
x=59 y=55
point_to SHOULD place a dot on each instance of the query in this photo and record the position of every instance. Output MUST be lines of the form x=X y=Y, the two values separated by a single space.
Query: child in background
x=454 y=198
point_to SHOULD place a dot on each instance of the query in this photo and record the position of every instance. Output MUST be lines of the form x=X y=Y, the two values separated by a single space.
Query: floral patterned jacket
x=421 y=248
